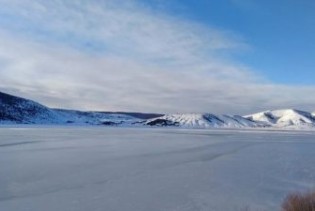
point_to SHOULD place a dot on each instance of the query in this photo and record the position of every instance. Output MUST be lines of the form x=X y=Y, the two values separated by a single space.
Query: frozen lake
x=119 y=169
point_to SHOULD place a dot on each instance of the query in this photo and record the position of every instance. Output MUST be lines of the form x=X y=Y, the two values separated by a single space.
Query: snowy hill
x=203 y=121
x=284 y=118
x=102 y=118
x=19 y=110
x=16 y=110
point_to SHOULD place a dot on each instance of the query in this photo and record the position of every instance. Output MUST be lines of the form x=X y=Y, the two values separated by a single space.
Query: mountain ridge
x=18 y=110
x=284 y=118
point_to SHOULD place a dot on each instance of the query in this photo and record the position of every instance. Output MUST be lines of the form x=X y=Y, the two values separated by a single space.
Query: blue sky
x=281 y=33
x=227 y=56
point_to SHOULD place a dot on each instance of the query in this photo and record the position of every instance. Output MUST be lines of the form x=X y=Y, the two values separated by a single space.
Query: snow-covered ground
x=125 y=169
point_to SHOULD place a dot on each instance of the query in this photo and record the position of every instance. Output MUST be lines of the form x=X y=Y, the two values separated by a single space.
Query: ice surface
x=125 y=169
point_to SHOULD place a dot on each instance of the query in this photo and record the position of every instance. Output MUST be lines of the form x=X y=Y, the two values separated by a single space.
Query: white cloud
x=106 y=55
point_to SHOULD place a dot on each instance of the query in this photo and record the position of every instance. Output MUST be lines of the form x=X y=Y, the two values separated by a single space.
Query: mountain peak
x=283 y=118
x=205 y=120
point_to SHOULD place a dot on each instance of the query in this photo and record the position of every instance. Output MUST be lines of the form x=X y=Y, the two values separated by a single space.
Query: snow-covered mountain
x=16 y=110
x=19 y=110
x=284 y=118
x=203 y=121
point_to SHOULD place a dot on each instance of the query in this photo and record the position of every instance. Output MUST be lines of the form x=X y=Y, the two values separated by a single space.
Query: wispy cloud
x=118 y=55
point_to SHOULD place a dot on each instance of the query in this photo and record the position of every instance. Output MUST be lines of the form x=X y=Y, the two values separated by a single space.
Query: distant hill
x=17 y=110
x=285 y=118
x=206 y=121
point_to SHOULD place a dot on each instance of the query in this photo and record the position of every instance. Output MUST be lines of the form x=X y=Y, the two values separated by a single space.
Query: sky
x=164 y=56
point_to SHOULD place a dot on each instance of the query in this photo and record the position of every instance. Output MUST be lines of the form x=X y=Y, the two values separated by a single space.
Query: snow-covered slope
x=284 y=118
x=203 y=121
x=16 y=110
x=19 y=110
x=287 y=118
x=97 y=118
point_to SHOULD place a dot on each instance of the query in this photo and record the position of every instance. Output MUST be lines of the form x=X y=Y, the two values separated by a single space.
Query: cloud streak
x=118 y=55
